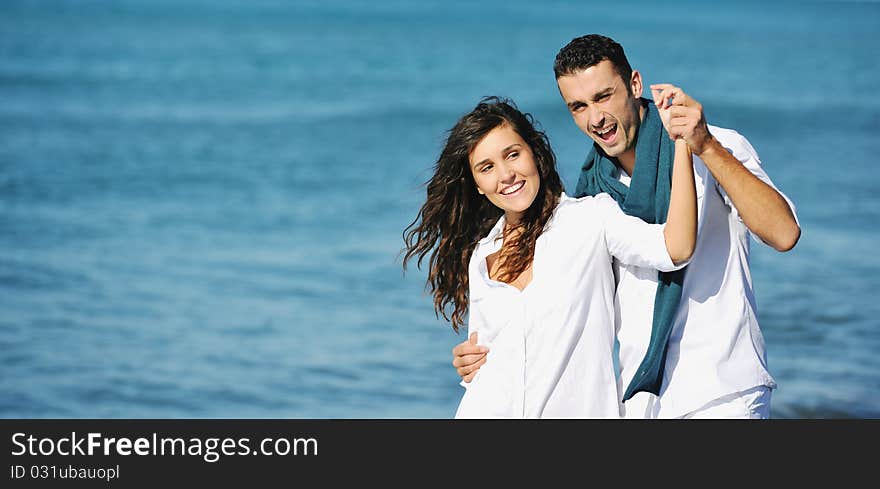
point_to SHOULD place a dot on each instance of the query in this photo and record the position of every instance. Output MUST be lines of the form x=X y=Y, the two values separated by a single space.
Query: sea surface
x=202 y=202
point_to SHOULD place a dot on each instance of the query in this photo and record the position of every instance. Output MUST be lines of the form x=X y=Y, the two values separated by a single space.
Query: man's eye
x=603 y=98
x=577 y=107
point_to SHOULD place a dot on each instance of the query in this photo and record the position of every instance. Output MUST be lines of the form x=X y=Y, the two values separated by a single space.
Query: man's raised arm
x=763 y=210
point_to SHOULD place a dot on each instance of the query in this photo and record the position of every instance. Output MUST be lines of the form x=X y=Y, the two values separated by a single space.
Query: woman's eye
x=485 y=168
x=513 y=155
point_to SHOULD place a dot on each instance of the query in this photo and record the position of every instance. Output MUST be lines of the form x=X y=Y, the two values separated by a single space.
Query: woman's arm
x=681 y=218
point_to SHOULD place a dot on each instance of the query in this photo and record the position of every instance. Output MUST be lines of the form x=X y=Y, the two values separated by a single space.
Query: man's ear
x=635 y=84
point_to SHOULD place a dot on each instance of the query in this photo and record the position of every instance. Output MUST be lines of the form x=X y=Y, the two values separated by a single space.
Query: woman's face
x=504 y=170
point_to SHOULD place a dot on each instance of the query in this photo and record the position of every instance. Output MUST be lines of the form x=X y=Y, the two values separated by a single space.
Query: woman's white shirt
x=551 y=345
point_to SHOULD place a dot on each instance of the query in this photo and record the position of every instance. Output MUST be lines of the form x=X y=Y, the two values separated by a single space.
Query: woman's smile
x=514 y=189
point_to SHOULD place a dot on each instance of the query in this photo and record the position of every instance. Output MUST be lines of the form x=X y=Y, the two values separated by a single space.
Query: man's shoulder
x=734 y=142
x=727 y=136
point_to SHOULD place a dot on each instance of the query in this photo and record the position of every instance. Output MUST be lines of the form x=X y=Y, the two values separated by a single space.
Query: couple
x=533 y=268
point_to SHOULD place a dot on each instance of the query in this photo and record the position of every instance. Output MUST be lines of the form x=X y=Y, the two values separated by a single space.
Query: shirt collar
x=496 y=230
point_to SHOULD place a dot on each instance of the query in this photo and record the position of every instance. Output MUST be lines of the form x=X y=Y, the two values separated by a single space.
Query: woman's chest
x=562 y=272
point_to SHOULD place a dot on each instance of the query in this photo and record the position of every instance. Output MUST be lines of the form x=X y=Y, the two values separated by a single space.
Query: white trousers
x=751 y=403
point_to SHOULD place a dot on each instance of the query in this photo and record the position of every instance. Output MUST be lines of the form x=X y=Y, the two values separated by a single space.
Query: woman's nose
x=508 y=173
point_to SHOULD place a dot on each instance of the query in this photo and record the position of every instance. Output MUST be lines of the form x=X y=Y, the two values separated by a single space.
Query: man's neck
x=627 y=160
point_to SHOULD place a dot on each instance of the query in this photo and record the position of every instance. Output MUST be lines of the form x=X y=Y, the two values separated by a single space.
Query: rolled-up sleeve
x=742 y=150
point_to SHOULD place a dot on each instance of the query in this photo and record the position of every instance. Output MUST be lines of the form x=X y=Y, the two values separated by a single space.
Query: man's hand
x=682 y=116
x=468 y=357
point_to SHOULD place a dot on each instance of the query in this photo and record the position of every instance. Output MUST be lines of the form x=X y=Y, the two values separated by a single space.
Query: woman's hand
x=468 y=356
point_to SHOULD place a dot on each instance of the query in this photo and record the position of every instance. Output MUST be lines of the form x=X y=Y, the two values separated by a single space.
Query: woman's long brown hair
x=455 y=216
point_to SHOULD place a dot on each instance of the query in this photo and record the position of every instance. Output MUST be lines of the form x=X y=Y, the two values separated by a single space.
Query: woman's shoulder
x=579 y=206
x=576 y=213
x=597 y=199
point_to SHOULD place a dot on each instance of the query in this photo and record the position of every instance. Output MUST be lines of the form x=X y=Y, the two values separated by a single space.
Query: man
x=690 y=345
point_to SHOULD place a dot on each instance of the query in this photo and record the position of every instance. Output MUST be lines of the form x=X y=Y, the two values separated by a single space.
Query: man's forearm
x=763 y=210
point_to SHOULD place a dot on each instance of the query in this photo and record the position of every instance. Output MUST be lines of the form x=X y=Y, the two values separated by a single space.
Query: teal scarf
x=647 y=197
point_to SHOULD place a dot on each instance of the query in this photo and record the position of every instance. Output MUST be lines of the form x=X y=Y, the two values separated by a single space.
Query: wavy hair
x=455 y=216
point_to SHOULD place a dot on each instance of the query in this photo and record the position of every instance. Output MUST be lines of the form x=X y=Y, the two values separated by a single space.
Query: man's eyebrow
x=602 y=93
x=575 y=103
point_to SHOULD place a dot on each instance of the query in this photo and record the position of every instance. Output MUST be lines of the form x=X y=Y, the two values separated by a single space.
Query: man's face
x=602 y=106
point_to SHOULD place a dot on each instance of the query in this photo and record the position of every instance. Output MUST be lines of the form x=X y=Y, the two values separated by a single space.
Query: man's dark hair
x=590 y=50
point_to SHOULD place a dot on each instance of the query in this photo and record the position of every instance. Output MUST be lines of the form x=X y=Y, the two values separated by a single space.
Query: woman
x=532 y=266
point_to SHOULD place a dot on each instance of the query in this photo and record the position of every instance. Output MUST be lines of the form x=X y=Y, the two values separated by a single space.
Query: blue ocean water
x=201 y=202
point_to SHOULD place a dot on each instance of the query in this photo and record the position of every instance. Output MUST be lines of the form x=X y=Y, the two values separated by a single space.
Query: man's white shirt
x=716 y=347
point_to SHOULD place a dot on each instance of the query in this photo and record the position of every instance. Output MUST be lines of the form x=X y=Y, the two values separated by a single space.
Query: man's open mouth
x=606 y=134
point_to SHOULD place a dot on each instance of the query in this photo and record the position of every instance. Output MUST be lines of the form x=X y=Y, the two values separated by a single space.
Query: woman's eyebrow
x=505 y=150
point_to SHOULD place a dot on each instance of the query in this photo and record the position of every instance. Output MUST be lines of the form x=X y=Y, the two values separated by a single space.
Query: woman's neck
x=497 y=262
x=512 y=219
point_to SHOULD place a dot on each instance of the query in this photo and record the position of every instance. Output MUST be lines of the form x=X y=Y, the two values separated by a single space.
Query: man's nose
x=597 y=119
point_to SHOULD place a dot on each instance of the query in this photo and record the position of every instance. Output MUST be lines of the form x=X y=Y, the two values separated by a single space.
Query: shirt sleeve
x=743 y=151
x=633 y=241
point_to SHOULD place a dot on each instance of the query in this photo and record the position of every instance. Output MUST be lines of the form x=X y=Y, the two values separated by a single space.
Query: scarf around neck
x=647 y=198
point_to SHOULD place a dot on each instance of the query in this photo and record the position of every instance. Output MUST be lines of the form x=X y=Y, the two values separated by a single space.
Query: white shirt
x=551 y=345
x=716 y=347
